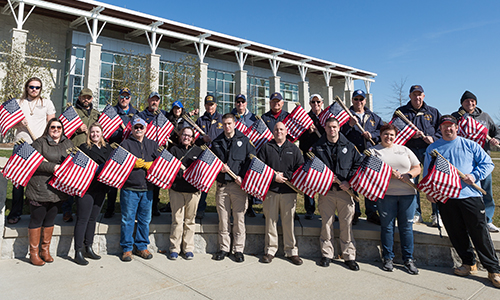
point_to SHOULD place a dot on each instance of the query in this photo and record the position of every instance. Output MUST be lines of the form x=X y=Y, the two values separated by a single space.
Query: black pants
x=112 y=193
x=17 y=203
x=156 y=197
x=43 y=215
x=464 y=218
x=87 y=210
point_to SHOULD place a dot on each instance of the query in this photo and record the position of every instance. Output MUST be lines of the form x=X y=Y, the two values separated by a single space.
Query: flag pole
x=339 y=101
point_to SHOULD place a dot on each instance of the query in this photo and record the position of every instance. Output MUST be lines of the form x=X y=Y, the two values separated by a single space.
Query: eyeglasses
x=240 y=102
x=187 y=136
x=139 y=127
x=124 y=97
x=318 y=102
x=358 y=99
x=56 y=127
x=34 y=87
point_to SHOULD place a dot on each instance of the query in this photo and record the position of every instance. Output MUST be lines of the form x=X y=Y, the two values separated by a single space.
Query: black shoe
x=267 y=258
x=353 y=265
x=89 y=252
x=220 y=255
x=238 y=257
x=79 y=259
x=200 y=215
x=250 y=212
x=325 y=262
x=296 y=260
x=108 y=214
x=309 y=215
x=166 y=208
x=156 y=213
x=355 y=219
x=373 y=218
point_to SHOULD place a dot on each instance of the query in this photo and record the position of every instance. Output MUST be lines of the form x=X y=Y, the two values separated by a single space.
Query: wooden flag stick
x=288 y=183
x=231 y=173
x=405 y=119
x=339 y=101
x=190 y=121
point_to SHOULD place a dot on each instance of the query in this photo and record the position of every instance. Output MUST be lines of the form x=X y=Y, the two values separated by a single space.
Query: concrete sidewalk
x=204 y=278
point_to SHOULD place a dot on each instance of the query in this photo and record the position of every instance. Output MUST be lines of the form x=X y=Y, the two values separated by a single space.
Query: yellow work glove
x=139 y=163
x=147 y=165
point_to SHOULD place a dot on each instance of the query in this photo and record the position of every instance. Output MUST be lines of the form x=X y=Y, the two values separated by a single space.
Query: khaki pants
x=274 y=205
x=184 y=207
x=344 y=204
x=230 y=197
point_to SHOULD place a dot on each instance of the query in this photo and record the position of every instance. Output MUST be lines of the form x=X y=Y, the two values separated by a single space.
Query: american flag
x=240 y=126
x=442 y=181
x=259 y=134
x=334 y=110
x=10 y=115
x=257 y=179
x=406 y=132
x=22 y=164
x=163 y=170
x=70 y=120
x=313 y=177
x=127 y=131
x=202 y=173
x=75 y=175
x=372 y=178
x=159 y=129
x=117 y=168
x=110 y=121
x=297 y=122
x=471 y=129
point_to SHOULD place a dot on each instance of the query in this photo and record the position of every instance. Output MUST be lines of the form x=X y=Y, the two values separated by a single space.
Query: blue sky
x=445 y=46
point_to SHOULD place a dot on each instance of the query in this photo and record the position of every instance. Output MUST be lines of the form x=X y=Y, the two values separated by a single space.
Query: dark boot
x=79 y=259
x=34 y=238
x=46 y=238
x=89 y=252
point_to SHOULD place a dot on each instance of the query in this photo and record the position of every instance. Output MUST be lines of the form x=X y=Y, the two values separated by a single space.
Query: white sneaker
x=436 y=219
x=492 y=228
x=417 y=219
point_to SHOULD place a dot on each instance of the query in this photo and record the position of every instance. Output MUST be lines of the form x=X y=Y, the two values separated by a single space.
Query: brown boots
x=35 y=252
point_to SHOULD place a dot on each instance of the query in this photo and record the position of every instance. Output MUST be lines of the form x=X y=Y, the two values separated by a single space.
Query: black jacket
x=286 y=159
x=342 y=157
x=146 y=150
x=116 y=137
x=99 y=156
x=307 y=139
x=190 y=155
x=235 y=152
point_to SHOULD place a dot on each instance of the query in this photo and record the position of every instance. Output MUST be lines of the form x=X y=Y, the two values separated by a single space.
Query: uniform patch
x=344 y=150
x=239 y=143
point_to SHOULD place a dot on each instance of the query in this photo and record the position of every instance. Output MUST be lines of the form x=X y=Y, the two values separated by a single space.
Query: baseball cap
x=276 y=96
x=177 y=104
x=154 y=94
x=447 y=118
x=139 y=121
x=359 y=93
x=125 y=90
x=315 y=96
x=86 y=92
x=240 y=96
x=417 y=88
x=209 y=99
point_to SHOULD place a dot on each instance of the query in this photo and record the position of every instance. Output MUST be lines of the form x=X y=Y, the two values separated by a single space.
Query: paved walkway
x=204 y=278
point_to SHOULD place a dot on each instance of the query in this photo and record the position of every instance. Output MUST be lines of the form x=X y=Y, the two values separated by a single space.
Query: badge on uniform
x=239 y=143
x=344 y=150
x=214 y=121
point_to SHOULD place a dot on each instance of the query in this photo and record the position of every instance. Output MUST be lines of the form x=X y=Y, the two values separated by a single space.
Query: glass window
x=258 y=94
x=221 y=85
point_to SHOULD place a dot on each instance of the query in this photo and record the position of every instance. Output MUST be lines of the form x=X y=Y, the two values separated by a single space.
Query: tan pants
x=344 y=204
x=230 y=197
x=274 y=205
x=184 y=207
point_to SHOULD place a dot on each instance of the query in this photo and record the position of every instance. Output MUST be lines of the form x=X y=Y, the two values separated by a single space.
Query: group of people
x=340 y=148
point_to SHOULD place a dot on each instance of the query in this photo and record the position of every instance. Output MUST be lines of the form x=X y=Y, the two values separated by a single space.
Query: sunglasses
x=358 y=99
x=240 y=102
x=139 y=127
x=34 y=87
x=318 y=102
x=124 y=97
x=56 y=127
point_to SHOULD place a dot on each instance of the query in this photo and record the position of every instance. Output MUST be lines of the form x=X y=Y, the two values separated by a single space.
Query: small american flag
x=259 y=134
x=127 y=131
x=297 y=122
x=471 y=129
x=10 y=115
x=442 y=181
x=406 y=132
x=159 y=129
x=240 y=126
x=257 y=179
x=75 y=175
x=70 y=120
x=202 y=173
x=335 y=110
x=22 y=164
x=313 y=177
x=163 y=170
x=110 y=121
x=372 y=178
x=118 y=168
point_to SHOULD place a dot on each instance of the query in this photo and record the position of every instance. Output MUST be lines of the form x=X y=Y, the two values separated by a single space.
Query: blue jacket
x=211 y=124
x=426 y=119
x=270 y=120
x=371 y=123
x=247 y=119
x=126 y=117
x=148 y=116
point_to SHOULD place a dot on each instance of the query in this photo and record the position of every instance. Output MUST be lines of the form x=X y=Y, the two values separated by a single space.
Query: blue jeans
x=135 y=205
x=489 y=203
x=402 y=208
x=420 y=154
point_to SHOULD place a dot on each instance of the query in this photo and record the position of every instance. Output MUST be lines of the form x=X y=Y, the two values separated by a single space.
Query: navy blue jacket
x=211 y=125
x=126 y=117
x=146 y=150
x=270 y=120
x=371 y=123
x=247 y=119
x=426 y=119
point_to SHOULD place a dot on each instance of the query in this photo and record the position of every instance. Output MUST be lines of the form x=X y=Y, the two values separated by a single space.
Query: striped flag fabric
x=75 y=174
x=127 y=131
x=471 y=129
x=442 y=180
x=240 y=126
x=405 y=133
x=110 y=121
x=335 y=110
x=372 y=178
x=10 y=114
x=259 y=134
x=22 y=164
x=159 y=129
x=258 y=179
x=202 y=173
x=118 y=168
x=163 y=170
x=70 y=120
x=313 y=177
x=297 y=122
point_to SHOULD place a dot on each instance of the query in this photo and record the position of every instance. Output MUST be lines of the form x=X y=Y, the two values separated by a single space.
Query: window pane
x=80 y=53
x=79 y=67
x=106 y=70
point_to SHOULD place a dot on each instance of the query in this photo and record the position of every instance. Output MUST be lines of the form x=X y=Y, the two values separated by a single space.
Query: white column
x=240 y=81
x=19 y=40
x=348 y=89
x=274 y=84
x=369 y=101
x=93 y=69
x=304 y=94
x=154 y=71
x=202 y=85
x=327 y=95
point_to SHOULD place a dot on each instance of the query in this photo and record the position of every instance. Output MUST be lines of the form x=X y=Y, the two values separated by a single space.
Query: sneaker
x=436 y=220
x=466 y=270
x=388 y=265
x=410 y=267
x=143 y=253
x=492 y=227
x=189 y=255
x=127 y=256
x=495 y=279
x=417 y=219
x=174 y=255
